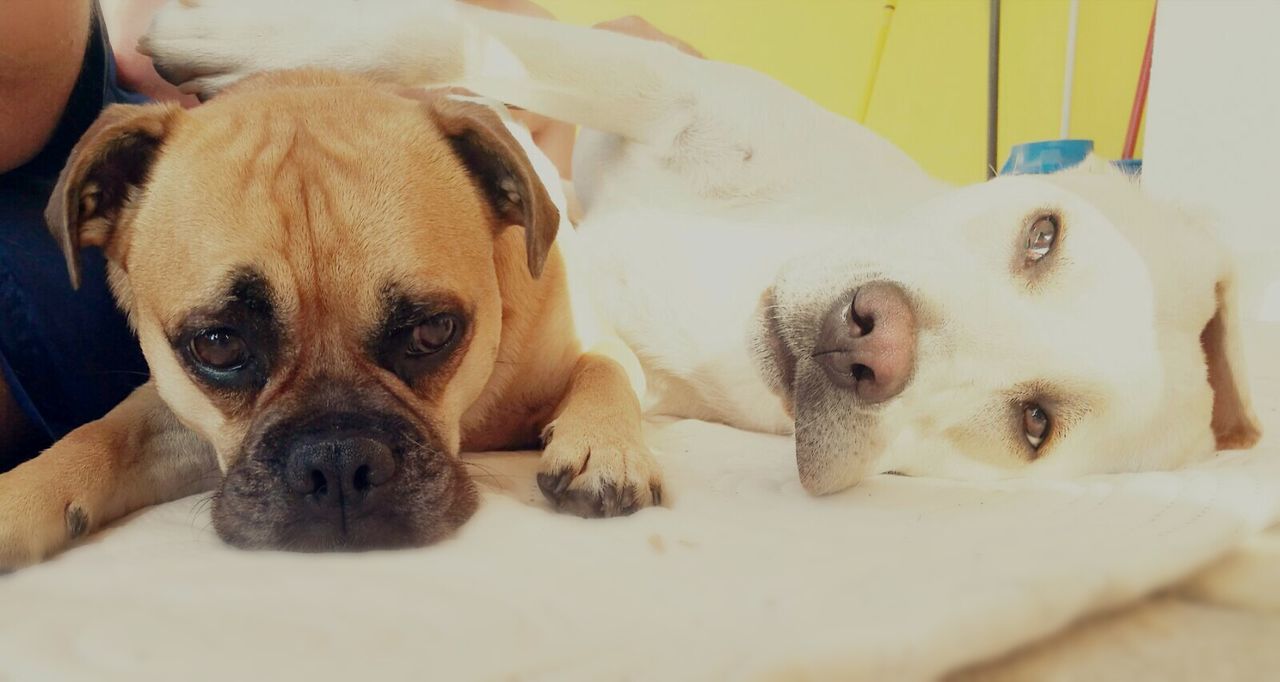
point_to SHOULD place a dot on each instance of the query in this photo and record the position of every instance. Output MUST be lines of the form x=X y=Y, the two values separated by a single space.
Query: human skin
x=41 y=46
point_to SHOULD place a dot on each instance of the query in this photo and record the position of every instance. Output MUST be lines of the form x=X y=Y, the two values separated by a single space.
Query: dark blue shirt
x=68 y=356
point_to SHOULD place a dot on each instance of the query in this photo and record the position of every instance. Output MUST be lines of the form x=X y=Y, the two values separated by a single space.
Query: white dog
x=772 y=263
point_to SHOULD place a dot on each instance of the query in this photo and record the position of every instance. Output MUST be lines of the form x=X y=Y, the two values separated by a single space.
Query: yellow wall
x=930 y=98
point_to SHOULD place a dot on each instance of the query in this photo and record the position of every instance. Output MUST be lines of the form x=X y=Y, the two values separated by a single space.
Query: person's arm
x=17 y=434
x=639 y=27
x=42 y=45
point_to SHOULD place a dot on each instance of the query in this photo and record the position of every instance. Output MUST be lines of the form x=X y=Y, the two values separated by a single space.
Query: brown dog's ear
x=502 y=170
x=1234 y=424
x=106 y=167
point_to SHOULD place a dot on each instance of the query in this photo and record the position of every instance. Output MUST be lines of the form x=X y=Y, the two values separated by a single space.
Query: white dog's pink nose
x=868 y=343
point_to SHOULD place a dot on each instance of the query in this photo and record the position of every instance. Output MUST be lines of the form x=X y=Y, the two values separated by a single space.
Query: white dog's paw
x=589 y=471
x=203 y=46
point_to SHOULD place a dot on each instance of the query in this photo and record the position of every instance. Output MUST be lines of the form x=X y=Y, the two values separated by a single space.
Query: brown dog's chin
x=429 y=497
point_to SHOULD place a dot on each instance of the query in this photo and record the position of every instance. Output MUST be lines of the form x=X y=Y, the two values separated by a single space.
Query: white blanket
x=744 y=577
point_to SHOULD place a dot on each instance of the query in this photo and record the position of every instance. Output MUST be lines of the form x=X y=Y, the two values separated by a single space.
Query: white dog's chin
x=835 y=439
x=839 y=440
x=773 y=359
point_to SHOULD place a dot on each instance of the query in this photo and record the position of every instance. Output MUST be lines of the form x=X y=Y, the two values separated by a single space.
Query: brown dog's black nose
x=868 y=343
x=339 y=471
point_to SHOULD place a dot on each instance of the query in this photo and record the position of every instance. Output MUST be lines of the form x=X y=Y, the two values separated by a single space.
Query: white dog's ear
x=106 y=167
x=503 y=171
x=1234 y=424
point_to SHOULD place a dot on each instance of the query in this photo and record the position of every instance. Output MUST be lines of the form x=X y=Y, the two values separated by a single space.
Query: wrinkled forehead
x=314 y=209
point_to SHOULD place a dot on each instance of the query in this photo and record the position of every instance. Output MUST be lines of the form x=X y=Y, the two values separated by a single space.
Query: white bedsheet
x=744 y=577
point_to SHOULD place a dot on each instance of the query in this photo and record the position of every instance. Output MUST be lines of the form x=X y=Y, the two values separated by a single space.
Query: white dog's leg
x=689 y=111
x=604 y=80
x=732 y=135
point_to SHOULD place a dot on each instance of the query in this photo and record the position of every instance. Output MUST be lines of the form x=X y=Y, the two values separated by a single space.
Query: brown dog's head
x=316 y=268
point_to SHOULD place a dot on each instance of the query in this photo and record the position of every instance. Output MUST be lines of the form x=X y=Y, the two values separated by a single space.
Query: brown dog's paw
x=35 y=521
x=592 y=473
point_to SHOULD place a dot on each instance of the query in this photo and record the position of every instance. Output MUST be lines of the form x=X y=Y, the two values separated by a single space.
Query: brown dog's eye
x=433 y=335
x=1035 y=425
x=220 y=349
x=1040 y=237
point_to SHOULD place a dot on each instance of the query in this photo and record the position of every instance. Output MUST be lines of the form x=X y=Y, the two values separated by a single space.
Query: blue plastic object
x=1048 y=156
x=1130 y=166
x=1051 y=156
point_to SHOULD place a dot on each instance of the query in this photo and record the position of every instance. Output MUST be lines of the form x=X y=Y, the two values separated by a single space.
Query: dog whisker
x=486 y=472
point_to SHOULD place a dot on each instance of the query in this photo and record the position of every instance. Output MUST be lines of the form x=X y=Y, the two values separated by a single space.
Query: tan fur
x=327 y=185
x=136 y=456
x=705 y=184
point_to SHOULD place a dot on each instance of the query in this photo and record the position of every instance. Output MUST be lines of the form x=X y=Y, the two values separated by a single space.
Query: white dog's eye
x=1035 y=424
x=1040 y=237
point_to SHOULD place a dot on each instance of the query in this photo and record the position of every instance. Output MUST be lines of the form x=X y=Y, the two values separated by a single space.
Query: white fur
x=706 y=184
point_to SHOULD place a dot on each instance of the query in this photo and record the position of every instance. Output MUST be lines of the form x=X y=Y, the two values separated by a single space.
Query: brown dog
x=320 y=275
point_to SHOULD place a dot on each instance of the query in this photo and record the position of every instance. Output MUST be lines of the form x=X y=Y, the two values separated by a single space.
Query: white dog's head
x=1051 y=326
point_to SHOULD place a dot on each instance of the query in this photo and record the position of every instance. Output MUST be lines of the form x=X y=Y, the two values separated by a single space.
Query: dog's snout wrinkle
x=867 y=342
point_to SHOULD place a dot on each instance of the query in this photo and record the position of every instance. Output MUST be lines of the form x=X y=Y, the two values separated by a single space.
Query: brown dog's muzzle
x=333 y=476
